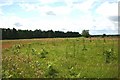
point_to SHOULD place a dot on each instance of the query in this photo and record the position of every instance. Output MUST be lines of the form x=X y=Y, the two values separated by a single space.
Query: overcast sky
x=98 y=16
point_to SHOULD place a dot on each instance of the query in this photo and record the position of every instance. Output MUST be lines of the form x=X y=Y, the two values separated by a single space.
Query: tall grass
x=67 y=58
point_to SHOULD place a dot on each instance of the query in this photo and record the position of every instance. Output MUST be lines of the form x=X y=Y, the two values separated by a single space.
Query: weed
x=108 y=55
x=80 y=66
x=43 y=53
x=72 y=72
x=34 y=51
x=51 y=72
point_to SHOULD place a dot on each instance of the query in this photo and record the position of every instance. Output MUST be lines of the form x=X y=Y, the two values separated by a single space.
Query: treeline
x=28 y=34
x=117 y=35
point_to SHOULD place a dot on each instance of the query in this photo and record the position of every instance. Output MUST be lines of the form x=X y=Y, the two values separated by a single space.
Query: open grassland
x=60 y=58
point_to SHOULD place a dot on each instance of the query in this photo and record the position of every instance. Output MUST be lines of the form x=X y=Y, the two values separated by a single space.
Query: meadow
x=60 y=58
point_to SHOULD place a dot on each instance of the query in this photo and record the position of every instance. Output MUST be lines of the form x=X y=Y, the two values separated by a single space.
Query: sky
x=97 y=16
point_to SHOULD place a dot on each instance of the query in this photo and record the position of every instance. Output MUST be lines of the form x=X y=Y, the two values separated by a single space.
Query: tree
x=85 y=33
x=14 y=33
x=50 y=34
x=103 y=35
x=28 y=34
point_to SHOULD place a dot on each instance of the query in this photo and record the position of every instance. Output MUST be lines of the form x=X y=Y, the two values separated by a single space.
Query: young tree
x=85 y=33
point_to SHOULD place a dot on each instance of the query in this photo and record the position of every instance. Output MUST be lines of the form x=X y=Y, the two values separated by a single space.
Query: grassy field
x=60 y=58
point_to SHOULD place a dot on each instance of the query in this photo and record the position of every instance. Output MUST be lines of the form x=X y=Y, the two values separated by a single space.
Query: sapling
x=96 y=44
x=112 y=49
x=90 y=39
x=53 y=42
x=98 y=39
x=104 y=40
x=66 y=47
x=28 y=49
x=66 y=52
x=74 y=48
x=103 y=47
x=77 y=46
x=113 y=45
x=84 y=46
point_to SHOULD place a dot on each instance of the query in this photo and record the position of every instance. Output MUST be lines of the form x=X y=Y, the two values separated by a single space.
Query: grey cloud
x=6 y=1
x=115 y=18
x=78 y=2
x=50 y=13
x=112 y=1
x=104 y=31
x=18 y=24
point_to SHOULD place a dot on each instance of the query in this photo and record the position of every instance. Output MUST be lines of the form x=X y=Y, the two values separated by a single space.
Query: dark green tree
x=103 y=35
x=28 y=34
x=85 y=33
